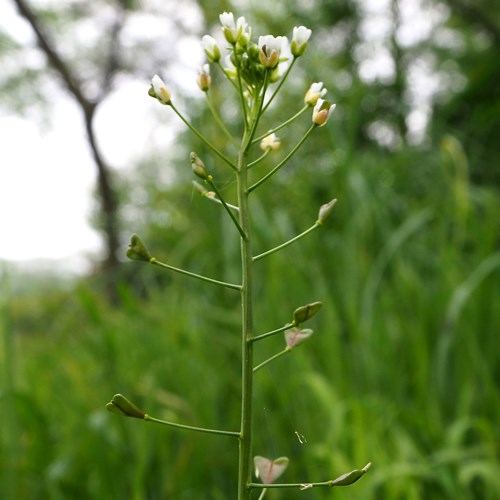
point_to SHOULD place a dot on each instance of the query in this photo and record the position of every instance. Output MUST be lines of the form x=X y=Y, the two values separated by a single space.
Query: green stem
x=210 y=180
x=283 y=125
x=284 y=161
x=289 y=242
x=272 y=358
x=245 y=448
x=219 y=121
x=260 y=158
x=191 y=427
x=203 y=138
x=274 y=332
x=282 y=81
x=263 y=494
x=156 y=262
x=257 y=111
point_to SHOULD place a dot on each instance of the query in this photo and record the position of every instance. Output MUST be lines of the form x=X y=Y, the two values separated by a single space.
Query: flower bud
x=211 y=48
x=295 y=336
x=159 y=90
x=198 y=167
x=303 y=313
x=269 y=470
x=314 y=92
x=300 y=38
x=321 y=112
x=271 y=141
x=325 y=210
x=136 y=249
x=122 y=406
x=204 y=79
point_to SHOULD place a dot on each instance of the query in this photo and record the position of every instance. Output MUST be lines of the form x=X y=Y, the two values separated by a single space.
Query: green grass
x=402 y=371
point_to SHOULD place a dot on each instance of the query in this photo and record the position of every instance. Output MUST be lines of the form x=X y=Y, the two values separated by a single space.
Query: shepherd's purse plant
x=256 y=72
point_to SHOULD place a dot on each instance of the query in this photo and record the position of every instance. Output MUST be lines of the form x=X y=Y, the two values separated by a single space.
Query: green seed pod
x=303 y=313
x=136 y=249
x=350 y=477
x=122 y=406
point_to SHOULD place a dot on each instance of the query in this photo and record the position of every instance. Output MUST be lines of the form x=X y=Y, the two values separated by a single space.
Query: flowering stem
x=263 y=494
x=282 y=81
x=284 y=161
x=260 y=158
x=200 y=135
x=274 y=332
x=226 y=206
x=245 y=448
x=242 y=97
x=284 y=124
x=191 y=427
x=272 y=358
x=226 y=74
x=289 y=242
x=219 y=122
x=156 y=262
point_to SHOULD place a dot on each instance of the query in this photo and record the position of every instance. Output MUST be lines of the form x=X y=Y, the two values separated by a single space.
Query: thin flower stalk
x=284 y=161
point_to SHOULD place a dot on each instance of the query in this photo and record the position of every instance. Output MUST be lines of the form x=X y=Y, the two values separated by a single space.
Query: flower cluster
x=254 y=65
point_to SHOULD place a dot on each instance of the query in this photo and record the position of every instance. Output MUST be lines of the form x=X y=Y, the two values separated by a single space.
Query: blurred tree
x=472 y=113
x=90 y=47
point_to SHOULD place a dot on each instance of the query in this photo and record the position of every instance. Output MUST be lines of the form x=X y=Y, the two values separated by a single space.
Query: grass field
x=403 y=369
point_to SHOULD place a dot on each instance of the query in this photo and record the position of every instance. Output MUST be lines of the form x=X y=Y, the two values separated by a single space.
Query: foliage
x=404 y=367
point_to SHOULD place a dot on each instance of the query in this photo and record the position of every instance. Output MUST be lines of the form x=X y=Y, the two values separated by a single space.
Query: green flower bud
x=122 y=406
x=325 y=210
x=136 y=249
x=198 y=167
x=303 y=313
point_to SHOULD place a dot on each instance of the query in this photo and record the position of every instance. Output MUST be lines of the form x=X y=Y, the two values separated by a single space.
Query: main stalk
x=245 y=448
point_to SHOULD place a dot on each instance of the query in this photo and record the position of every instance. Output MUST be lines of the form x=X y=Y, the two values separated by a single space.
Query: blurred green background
x=404 y=368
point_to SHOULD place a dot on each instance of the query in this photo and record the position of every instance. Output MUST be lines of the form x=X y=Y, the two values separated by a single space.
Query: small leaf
x=303 y=313
x=350 y=477
x=269 y=470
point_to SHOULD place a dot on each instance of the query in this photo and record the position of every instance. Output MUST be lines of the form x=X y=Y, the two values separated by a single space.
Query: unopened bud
x=198 y=167
x=322 y=110
x=325 y=211
x=204 y=79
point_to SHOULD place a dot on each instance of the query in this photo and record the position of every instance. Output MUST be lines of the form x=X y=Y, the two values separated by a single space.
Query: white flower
x=234 y=31
x=321 y=112
x=211 y=48
x=270 y=49
x=271 y=141
x=314 y=92
x=160 y=90
x=300 y=38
